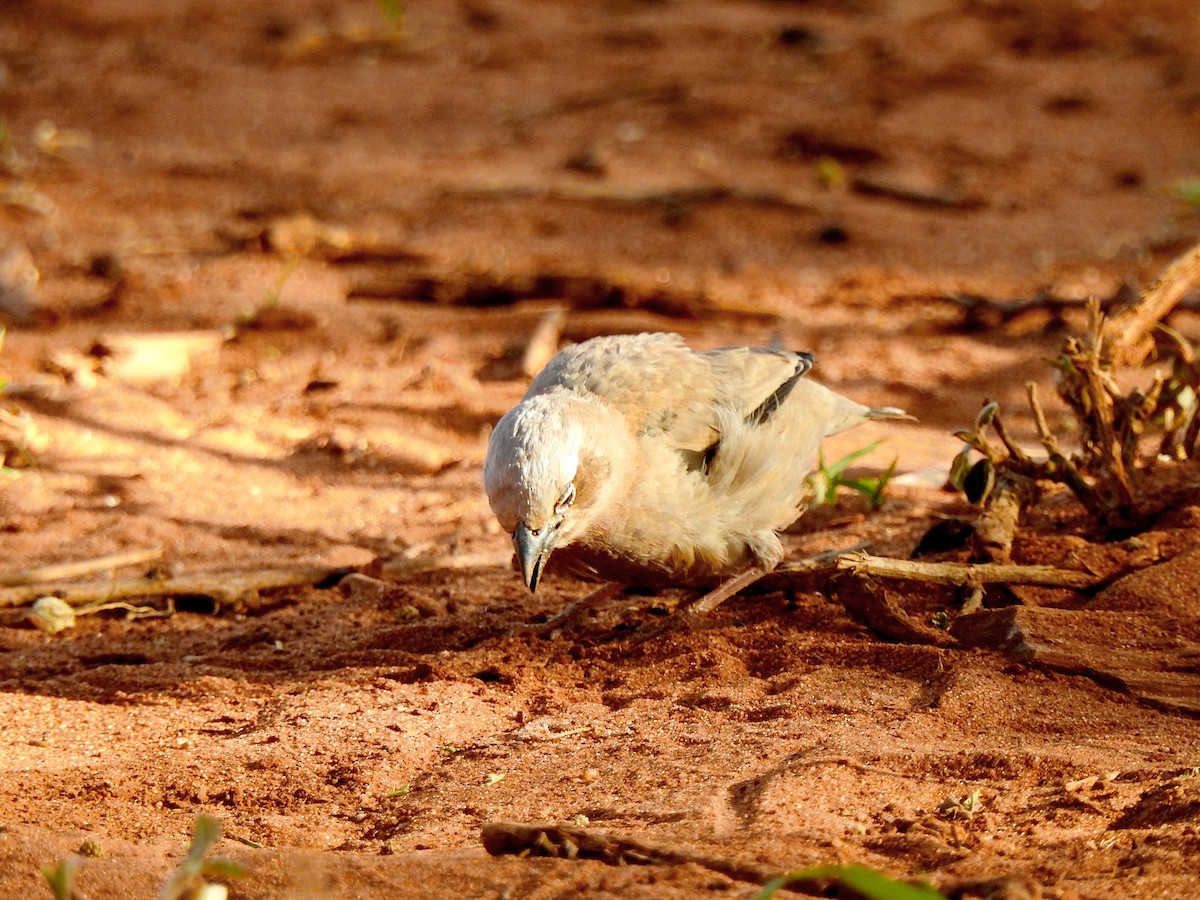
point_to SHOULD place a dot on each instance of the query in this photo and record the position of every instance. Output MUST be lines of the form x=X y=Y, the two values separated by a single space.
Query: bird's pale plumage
x=636 y=459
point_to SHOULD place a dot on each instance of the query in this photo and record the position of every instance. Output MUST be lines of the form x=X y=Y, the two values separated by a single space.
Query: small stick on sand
x=221 y=587
x=573 y=842
x=1127 y=334
x=67 y=571
x=959 y=574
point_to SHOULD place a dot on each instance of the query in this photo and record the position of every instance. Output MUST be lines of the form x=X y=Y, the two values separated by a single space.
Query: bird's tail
x=889 y=412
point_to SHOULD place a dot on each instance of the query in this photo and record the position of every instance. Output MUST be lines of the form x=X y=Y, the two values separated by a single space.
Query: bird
x=635 y=459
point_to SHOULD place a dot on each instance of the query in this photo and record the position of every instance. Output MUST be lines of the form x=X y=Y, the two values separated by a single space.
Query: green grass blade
x=871 y=884
x=61 y=877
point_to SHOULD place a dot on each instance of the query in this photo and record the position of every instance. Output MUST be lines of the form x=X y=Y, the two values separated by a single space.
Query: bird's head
x=547 y=475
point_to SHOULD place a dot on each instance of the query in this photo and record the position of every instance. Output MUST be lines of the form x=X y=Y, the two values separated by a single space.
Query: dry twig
x=573 y=842
x=70 y=570
x=1106 y=471
x=221 y=587
x=1127 y=334
x=966 y=574
x=876 y=607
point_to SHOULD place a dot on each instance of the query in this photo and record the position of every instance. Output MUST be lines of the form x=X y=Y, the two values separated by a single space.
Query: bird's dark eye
x=567 y=498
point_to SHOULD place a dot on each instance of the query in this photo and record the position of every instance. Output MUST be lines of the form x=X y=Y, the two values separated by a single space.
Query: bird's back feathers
x=714 y=454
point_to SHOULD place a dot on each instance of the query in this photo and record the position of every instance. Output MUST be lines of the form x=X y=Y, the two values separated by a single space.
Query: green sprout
x=61 y=878
x=190 y=879
x=393 y=15
x=871 y=884
x=828 y=477
x=1187 y=190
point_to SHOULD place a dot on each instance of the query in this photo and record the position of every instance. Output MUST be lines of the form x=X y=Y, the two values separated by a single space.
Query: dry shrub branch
x=1120 y=433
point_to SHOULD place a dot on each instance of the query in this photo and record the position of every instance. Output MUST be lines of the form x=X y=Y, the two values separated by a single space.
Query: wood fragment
x=573 y=842
x=69 y=570
x=670 y=198
x=140 y=359
x=966 y=574
x=483 y=559
x=915 y=188
x=876 y=607
x=996 y=528
x=221 y=587
x=1126 y=335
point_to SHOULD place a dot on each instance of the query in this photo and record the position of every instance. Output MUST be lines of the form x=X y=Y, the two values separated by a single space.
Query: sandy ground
x=362 y=233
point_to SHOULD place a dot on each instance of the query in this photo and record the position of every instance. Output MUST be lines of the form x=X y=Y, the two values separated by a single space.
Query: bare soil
x=373 y=228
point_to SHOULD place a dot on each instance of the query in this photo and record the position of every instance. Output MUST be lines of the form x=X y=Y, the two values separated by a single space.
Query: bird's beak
x=533 y=549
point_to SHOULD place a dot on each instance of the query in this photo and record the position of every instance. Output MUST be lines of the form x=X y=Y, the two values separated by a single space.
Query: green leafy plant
x=189 y=881
x=61 y=878
x=871 y=884
x=825 y=481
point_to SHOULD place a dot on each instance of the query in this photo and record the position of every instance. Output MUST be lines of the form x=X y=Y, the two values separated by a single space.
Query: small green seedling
x=270 y=294
x=871 y=884
x=1188 y=190
x=62 y=877
x=828 y=477
x=10 y=159
x=393 y=15
x=190 y=880
x=961 y=808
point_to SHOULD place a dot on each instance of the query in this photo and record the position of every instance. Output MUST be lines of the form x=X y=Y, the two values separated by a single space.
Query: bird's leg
x=742 y=580
x=702 y=606
x=573 y=612
x=723 y=591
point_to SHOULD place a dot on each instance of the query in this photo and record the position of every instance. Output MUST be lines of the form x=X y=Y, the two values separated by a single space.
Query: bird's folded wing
x=665 y=389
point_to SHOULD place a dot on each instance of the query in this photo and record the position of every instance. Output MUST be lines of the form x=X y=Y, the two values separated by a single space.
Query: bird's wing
x=757 y=380
x=665 y=389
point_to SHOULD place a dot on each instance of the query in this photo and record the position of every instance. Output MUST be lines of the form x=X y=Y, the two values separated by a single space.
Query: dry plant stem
x=573 y=842
x=1002 y=432
x=876 y=607
x=818 y=562
x=573 y=612
x=1058 y=467
x=691 y=195
x=959 y=574
x=1101 y=395
x=996 y=527
x=67 y=571
x=1127 y=335
x=220 y=586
